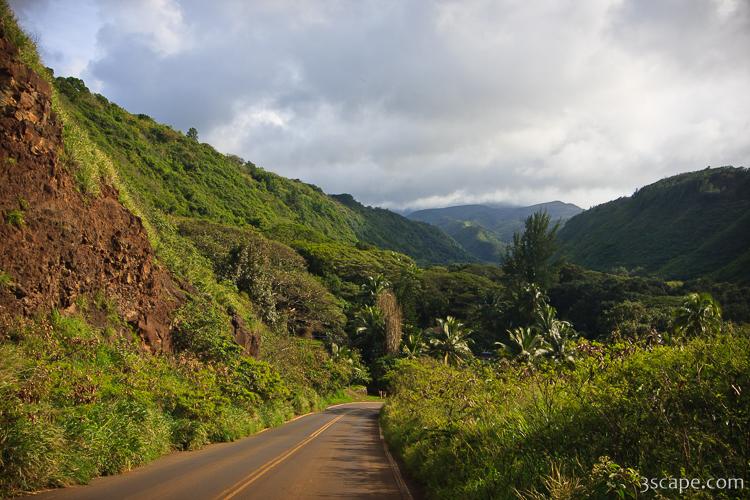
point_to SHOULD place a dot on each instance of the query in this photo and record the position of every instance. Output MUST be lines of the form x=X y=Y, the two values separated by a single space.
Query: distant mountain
x=484 y=230
x=686 y=226
x=391 y=231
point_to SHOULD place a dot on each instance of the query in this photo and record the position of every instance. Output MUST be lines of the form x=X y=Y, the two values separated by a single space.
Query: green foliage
x=523 y=344
x=484 y=431
x=203 y=330
x=528 y=259
x=546 y=337
x=686 y=226
x=484 y=231
x=391 y=231
x=5 y=279
x=76 y=403
x=272 y=274
x=179 y=176
x=604 y=305
x=370 y=332
x=192 y=134
x=460 y=292
x=449 y=341
x=15 y=218
x=27 y=50
x=700 y=314
x=415 y=344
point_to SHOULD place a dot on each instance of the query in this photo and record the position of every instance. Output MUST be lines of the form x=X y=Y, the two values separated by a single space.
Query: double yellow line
x=256 y=474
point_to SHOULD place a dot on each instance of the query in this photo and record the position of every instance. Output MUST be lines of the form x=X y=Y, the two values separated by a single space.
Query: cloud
x=421 y=103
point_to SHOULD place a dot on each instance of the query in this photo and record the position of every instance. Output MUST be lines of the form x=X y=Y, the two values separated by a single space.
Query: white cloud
x=423 y=103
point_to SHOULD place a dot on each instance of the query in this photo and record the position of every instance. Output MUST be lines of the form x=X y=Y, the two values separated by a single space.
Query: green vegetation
x=489 y=431
x=539 y=378
x=485 y=230
x=385 y=229
x=80 y=395
x=179 y=176
x=450 y=341
x=529 y=256
x=554 y=416
x=79 y=402
x=683 y=227
x=15 y=218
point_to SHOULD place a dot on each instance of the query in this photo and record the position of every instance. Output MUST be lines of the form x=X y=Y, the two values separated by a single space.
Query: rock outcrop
x=57 y=244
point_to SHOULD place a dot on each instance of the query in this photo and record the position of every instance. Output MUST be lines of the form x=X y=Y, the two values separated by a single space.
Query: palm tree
x=700 y=314
x=450 y=341
x=555 y=333
x=342 y=353
x=370 y=332
x=374 y=286
x=523 y=344
x=414 y=345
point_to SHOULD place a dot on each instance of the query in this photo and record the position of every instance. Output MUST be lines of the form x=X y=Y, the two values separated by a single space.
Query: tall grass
x=78 y=401
x=487 y=432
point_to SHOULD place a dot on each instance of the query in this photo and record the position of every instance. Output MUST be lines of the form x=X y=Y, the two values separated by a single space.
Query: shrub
x=15 y=218
x=5 y=279
x=202 y=329
x=661 y=411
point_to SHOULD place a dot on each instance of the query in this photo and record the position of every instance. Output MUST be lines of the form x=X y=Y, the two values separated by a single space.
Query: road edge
x=403 y=488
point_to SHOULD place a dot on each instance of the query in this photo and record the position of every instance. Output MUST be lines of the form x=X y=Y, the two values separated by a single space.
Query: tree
x=392 y=317
x=370 y=332
x=414 y=345
x=523 y=344
x=192 y=133
x=700 y=314
x=528 y=259
x=450 y=341
x=555 y=333
x=374 y=286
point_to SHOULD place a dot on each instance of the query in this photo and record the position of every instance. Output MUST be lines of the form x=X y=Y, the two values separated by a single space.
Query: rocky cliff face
x=57 y=244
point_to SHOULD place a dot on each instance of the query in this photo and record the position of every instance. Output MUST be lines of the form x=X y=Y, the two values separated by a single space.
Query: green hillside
x=686 y=226
x=157 y=295
x=389 y=230
x=484 y=230
x=183 y=177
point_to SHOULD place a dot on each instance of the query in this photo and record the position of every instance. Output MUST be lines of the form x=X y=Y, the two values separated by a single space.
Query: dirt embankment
x=55 y=243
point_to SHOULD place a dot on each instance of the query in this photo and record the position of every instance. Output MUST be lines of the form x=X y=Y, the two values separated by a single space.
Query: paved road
x=334 y=454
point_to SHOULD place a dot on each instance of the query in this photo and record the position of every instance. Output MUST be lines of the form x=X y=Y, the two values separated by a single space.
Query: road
x=334 y=454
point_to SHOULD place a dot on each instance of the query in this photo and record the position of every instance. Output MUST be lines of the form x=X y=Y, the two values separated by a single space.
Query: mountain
x=484 y=230
x=391 y=231
x=182 y=177
x=686 y=226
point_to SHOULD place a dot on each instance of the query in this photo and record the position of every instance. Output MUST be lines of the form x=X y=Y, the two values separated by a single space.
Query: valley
x=159 y=296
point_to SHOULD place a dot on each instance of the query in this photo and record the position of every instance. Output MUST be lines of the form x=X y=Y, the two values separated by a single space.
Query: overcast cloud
x=433 y=103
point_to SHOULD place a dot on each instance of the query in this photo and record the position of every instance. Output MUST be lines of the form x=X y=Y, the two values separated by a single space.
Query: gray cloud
x=425 y=103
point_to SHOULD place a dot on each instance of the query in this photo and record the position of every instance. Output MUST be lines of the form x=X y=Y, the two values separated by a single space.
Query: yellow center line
x=247 y=481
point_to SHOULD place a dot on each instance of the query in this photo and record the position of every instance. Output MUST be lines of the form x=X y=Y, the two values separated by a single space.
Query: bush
x=666 y=411
x=15 y=218
x=202 y=329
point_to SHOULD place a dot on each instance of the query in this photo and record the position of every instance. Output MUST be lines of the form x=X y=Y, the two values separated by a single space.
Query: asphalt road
x=334 y=454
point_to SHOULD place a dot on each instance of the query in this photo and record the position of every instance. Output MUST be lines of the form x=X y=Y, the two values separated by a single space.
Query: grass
x=351 y=395
x=15 y=218
x=622 y=412
x=5 y=279
x=78 y=401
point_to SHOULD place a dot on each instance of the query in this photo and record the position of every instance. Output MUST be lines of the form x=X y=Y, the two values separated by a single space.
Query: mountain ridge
x=657 y=228
x=183 y=177
x=485 y=229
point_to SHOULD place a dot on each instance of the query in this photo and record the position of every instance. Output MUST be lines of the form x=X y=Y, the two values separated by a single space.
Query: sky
x=416 y=104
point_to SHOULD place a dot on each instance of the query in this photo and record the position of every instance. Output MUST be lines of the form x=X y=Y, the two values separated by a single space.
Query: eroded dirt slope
x=57 y=244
